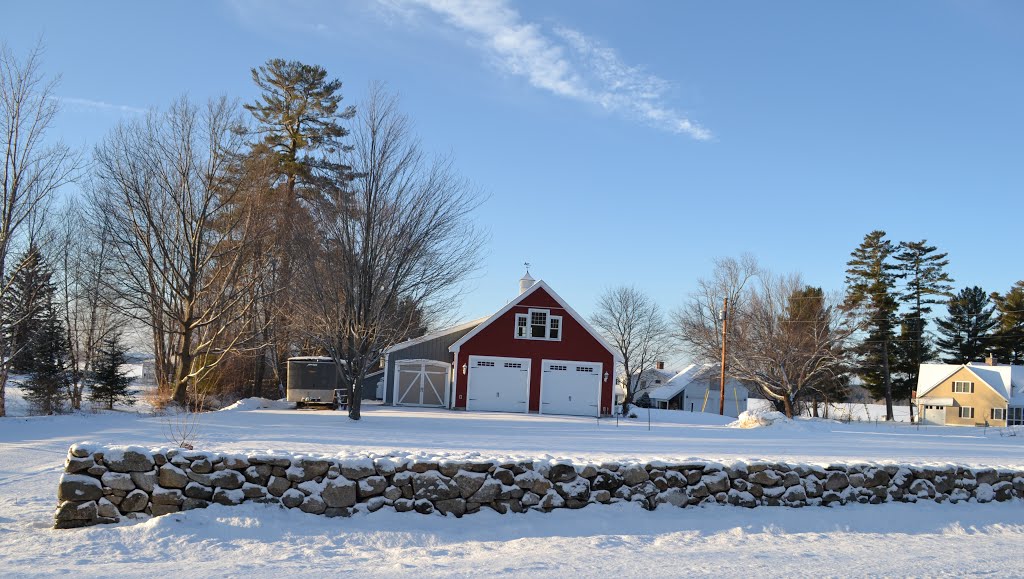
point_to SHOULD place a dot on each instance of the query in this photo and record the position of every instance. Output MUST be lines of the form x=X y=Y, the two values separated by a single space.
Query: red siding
x=498 y=339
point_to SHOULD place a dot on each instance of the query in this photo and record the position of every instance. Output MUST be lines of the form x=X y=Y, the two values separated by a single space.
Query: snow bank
x=255 y=403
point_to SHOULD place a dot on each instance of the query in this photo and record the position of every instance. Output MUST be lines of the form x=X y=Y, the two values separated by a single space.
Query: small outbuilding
x=418 y=372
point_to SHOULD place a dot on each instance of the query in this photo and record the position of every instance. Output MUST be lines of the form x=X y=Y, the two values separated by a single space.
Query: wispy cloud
x=80 y=104
x=563 y=62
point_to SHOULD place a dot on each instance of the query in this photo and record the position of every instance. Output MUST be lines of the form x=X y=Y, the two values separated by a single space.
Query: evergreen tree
x=871 y=284
x=807 y=312
x=47 y=389
x=109 y=384
x=967 y=329
x=927 y=284
x=1008 y=342
x=298 y=115
x=30 y=290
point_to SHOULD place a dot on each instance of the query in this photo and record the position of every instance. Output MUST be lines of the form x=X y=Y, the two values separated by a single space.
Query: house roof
x=684 y=378
x=1006 y=380
x=434 y=335
x=539 y=285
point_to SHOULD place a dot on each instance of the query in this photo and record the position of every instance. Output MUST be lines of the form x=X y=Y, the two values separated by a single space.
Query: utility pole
x=724 y=318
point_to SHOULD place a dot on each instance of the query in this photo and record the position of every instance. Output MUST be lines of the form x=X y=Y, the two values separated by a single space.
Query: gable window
x=538 y=325
x=966 y=412
x=963 y=387
x=998 y=414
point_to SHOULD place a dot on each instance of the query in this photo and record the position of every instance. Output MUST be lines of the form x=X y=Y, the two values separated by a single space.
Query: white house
x=695 y=388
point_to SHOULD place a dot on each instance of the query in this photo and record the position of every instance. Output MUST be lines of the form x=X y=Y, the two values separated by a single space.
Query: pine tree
x=967 y=329
x=927 y=284
x=299 y=113
x=108 y=384
x=47 y=389
x=30 y=289
x=1008 y=342
x=871 y=283
x=806 y=311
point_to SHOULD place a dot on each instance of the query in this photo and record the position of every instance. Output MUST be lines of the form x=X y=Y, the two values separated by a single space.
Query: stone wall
x=105 y=485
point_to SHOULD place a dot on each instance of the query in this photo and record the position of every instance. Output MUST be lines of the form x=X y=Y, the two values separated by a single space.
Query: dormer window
x=538 y=324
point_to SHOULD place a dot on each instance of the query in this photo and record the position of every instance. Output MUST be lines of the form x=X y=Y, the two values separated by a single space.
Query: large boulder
x=134 y=502
x=561 y=473
x=79 y=487
x=633 y=474
x=118 y=480
x=339 y=492
x=129 y=460
x=433 y=486
x=470 y=482
x=488 y=491
x=172 y=477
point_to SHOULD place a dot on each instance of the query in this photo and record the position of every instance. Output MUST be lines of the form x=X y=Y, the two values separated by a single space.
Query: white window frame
x=960 y=412
x=961 y=384
x=1002 y=414
x=528 y=317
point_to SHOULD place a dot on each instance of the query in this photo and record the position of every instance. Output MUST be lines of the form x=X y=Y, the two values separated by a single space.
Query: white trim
x=432 y=336
x=935 y=402
x=558 y=299
x=600 y=380
x=960 y=412
x=421 y=362
x=526 y=363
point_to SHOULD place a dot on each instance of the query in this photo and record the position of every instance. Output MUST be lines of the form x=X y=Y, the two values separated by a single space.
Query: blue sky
x=628 y=142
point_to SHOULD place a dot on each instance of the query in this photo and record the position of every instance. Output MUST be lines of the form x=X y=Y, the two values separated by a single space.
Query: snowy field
x=254 y=540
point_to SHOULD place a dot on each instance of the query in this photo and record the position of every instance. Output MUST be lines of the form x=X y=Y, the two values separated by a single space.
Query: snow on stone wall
x=106 y=485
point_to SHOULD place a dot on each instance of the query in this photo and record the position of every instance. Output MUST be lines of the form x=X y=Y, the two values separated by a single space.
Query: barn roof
x=434 y=335
x=537 y=286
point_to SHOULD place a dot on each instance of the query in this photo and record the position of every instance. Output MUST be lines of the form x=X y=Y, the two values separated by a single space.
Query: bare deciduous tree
x=771 y=342
x=32 y=169
x=166 y=187
x=91 y=311
x=635 y=326
x=394 y=243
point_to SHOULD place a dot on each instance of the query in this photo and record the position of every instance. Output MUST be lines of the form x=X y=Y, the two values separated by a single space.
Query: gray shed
x=418 y=372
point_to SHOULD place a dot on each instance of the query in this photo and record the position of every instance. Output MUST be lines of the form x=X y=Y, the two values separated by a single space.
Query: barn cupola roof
x=526 y=282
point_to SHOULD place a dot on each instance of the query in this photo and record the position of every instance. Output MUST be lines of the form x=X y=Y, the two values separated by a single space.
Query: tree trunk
x=788 y=405
x=814 y=407
x=889 y=415
x=181 y=374
x=355 y=395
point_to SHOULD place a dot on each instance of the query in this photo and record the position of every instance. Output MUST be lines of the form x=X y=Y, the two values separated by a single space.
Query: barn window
x=538 y=325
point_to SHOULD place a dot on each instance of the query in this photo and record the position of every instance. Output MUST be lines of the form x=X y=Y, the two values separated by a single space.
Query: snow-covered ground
x=618 y=539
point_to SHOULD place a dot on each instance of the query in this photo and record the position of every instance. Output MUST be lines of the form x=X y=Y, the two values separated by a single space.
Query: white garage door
x=572 y=388
x=935 y=415
x=421 y=383
x=498 y=384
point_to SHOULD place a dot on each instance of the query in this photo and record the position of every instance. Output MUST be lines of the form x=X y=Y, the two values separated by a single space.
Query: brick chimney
x=659 y=365
x=990 y=359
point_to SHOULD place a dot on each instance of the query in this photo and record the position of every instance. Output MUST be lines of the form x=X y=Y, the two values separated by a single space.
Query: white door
x=498 y=384
x=572 y=388
x=934 y=415
x=421 y=383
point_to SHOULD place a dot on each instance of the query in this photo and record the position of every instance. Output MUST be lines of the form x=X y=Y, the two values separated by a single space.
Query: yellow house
x=974 y=394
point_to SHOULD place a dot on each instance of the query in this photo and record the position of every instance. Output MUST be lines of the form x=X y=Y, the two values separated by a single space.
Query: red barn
x=534 y=355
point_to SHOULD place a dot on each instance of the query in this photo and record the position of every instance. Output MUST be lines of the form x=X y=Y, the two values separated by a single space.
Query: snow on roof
x=677 y=383
x=434 y=335
x=1006 y=380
